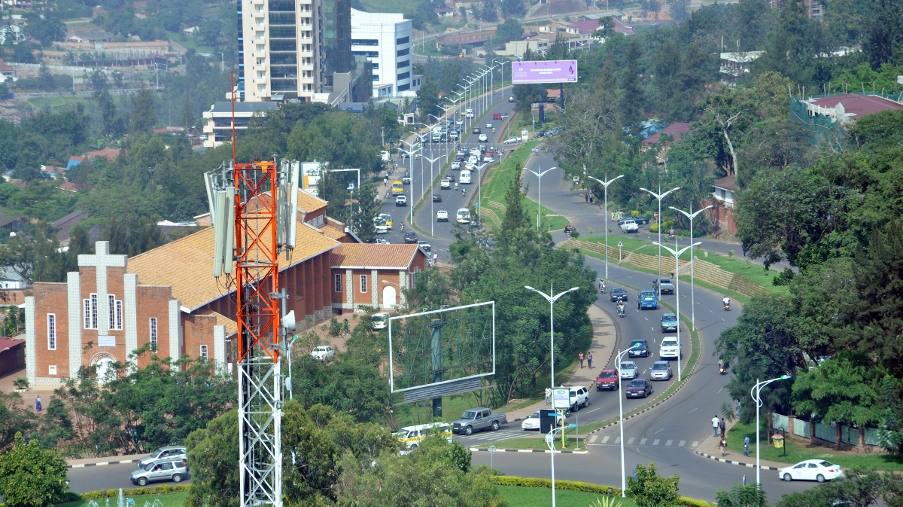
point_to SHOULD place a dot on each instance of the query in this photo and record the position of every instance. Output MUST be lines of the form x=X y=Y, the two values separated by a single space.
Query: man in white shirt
x=715 y=426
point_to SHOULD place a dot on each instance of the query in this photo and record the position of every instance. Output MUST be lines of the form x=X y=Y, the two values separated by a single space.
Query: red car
x=608 y=379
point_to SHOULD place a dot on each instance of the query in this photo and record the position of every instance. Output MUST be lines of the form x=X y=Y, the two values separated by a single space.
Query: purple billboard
x=555 y=71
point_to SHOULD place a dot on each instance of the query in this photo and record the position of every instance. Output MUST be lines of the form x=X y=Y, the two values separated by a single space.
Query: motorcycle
x=727 y=306
x=722 y=369
x=621 y=312
x=601 y=283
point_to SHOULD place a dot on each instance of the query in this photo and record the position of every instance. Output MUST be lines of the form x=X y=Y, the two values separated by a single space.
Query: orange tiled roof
x=369 y=255
x=309 y=203
x=187 y=264
x=334 y=231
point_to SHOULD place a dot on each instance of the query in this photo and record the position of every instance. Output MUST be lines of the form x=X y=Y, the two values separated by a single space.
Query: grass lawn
x=167 y=500
x=55 y=101
x=798 y=451
x=542 y=497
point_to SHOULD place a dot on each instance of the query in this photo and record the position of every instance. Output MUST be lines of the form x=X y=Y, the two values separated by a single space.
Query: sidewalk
x=603 y=347
x=709 y=449
x=30 y=396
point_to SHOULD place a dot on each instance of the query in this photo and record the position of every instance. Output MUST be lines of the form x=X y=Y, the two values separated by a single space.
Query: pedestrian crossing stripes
x=495 y=435
x=607 y=439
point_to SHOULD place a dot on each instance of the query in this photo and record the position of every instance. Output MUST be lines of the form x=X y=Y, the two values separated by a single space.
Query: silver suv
x=162 y=470
x=173 y=452
x=579 y=397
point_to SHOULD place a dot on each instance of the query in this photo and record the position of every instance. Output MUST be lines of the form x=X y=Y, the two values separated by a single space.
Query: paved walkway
x=603 y=348
x=708 y=448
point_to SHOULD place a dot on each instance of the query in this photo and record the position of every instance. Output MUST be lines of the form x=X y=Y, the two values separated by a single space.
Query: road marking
x=681 y=443
x=656 y=441
x=694 y=410
x=659 y=431
x=592 y=439
x=668 y=443
x=605 y=440
x=695 y=443
x=618 y=440
x=630 y=442
x=643 y=441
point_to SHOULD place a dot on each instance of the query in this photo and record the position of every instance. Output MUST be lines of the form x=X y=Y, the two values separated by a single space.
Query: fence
x=849 y=435
x=801 y=428
x=828 y=433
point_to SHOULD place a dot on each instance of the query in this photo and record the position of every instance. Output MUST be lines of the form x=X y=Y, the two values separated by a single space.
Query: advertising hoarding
x=553 y=71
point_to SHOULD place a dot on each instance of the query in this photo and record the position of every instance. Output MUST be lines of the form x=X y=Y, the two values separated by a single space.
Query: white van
x=465 y=177
x=463 y=216
x=412 y=436
x=379 y=320
x=468 y=112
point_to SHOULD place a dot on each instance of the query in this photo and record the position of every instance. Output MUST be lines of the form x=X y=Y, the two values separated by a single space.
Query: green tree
x=883 y=32
x=45 y=28
x=510 y=30
x=143 y=116
x=346 y=385
x=14 y=417
x=489 y=11
x=213 y=453
x=632 y=102
x=31 y=476
x=648 y=489
x=512 y=8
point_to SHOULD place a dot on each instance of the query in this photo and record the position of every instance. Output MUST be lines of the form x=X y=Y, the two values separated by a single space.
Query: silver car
x=628 y=370
x=168 y=452
x=162 y=470
x=661 y=370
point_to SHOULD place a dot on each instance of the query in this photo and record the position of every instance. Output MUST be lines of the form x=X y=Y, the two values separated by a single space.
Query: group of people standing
x=720 y=427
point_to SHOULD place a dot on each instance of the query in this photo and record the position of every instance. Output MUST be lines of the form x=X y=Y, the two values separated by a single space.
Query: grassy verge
x=542 y=497
x=797 y=451
x=55 y=102
x=166 y=500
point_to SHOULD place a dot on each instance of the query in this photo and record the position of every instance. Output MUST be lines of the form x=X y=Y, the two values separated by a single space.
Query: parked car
x=628 y=370
x=169 y=451
x=410 y=237
x=401 y=200
x=639 y=388
x=163 y=470
x=661 y=370
x=618 y=294
x=531 y=423
x=322 y=352
x=664 y=286
x=639 y=348
x=629 y=226
x=811 y=470
x=608 y=379
x=669 y=349
x=476 y=419
x=669 y=323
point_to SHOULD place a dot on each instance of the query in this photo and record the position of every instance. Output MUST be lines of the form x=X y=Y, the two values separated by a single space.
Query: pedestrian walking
x=548 y=395
x=722 y=444
x=589 y=359
x=715 y=426
x=591 y=198
x=746 y=445
x=37 y=404
x=722 y=426
x=585 y=197
x=386 y=181
x=580 y=357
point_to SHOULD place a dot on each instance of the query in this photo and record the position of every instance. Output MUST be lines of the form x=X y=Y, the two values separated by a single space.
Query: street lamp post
x=691 y=215
x=222 y=64
x=621 y=421
x=539 y=176
x=551 y=300
x=432 y=215
x=605 y=221
x=479 y=171
x=411 y=171
x=755 y=394
x=550 y=441
x=659 y=196
x=677 y=254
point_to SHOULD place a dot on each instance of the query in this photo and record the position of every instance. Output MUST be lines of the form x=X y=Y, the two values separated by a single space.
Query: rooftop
x=677 y=130
x=242 y=107
x=361 y=255
x=856 y=104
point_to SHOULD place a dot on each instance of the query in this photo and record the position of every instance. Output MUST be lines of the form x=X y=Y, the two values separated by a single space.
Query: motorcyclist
x=620 y=307
x=727 y=301
x=602 y=285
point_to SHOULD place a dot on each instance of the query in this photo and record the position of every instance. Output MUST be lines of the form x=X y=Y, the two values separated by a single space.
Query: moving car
x=397 y=187
x=639 y=348
x=401 y=200
x=811 y=470
x=665 y=286
x=321 y=352
x=531 y=423
x=618 y=294
x=628 y=370
x=661 y=370
x=480 y=418
x=437 y=198
x=445 y=184
x=669 y=349
x=669 y=323
x=489 y=124
x=425 y=246
x=381 y=241
x=379 y=321
x=381 y=227
x=476 y=130
x=164 y=470
x=169 y=451
x=629 y=226
x=463 y=216
x=406 y=180
x=483 y=138
x=639 y=388
x=412 y=436
x=578 y=397
x=387 y=218
x=410 y=237
x=511 y=140
x=608 y=379
x=442 y=216
x=647 y=299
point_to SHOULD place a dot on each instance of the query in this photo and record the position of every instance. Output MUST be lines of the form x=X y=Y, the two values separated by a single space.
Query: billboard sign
x=553 y=71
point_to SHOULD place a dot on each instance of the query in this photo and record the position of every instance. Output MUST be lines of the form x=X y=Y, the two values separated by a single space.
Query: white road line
x=642 y=441
x=694 y=410
x=668 y=443
x=681 y=443
x=659 y=431
x=695 y=444
x=656 y=441
x=605 y=439
x=630 y=441
x=618 y=440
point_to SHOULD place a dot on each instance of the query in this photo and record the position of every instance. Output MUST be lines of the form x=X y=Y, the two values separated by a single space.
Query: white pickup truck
x=629 y=226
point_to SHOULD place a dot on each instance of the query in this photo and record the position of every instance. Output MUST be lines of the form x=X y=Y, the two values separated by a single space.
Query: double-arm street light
x=411 y=151
x=659 y=196
x=550 y=441
x=551 y=300
x=621 y=420
x=677 y=254
x=539 y=176
x=605 y=221
x=432 y=215
x=755 y=393
x=691 y=215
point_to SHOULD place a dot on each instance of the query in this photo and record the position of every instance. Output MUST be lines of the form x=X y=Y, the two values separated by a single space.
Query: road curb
x=102 y=463
x=478 y=449
x=732 y=462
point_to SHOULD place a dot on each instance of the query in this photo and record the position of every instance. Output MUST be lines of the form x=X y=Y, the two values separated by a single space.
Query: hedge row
x=583 y=487
x=154 y=490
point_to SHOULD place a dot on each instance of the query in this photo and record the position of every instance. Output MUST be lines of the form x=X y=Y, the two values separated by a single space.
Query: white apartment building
x=279 y=50
x=386 y=41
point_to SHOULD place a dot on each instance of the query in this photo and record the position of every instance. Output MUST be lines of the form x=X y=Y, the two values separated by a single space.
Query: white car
x=489 y=125
x=628 y=370
x=483 y=138
x=531 y=423
x=811 y=470
x=445 y=184
x=382 y=228
x=511 y=140
x=488 y=160
x=669 y=349
x=442 y=216
x=661 y=370
x=322 y=352
x=382 y=241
